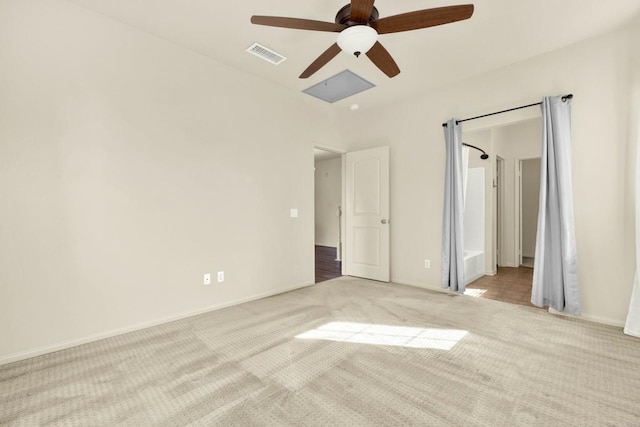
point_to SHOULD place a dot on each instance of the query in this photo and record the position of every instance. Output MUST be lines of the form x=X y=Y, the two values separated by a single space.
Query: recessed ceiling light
x=354 y=107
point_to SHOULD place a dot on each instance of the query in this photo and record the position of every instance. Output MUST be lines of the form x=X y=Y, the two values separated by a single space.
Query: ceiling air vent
x=265 y=53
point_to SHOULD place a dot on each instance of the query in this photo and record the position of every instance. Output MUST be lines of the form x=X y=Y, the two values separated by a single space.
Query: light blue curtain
x=452 y=243
x=555 y=273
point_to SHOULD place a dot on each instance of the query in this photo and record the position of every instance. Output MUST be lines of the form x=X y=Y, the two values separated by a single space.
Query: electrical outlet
x=220 y=276
x=427 y=263
x=207 y=279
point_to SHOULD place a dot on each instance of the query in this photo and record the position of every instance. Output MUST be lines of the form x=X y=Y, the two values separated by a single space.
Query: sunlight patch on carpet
x=399 y=336
x=475 y=292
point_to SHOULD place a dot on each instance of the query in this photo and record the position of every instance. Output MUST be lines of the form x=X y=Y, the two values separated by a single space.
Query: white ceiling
x=500 y=32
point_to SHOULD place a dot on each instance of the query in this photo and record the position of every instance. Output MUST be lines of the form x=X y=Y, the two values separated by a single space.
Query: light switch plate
x=294 y=213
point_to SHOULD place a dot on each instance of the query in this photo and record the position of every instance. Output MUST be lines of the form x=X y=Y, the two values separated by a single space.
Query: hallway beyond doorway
x=327 y=267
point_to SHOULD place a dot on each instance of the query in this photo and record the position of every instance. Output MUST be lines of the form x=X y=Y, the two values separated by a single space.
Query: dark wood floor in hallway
x=327 y=267
x=512 y=285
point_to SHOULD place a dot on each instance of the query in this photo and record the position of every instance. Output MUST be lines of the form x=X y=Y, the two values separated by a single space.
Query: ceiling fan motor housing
x=344 y=16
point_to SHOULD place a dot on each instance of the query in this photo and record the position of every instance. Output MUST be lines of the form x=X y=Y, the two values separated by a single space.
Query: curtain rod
x=564 y=98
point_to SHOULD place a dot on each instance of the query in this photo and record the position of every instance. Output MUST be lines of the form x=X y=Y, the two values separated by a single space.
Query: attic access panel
x=340 y=86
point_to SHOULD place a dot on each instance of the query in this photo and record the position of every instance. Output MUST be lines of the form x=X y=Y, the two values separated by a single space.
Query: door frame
x=518 y=204
x=499 y=218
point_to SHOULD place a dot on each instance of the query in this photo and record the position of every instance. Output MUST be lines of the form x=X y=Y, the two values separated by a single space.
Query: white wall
x=530 y=205
x=126 y=172
x=328 y=194
x=598 y=73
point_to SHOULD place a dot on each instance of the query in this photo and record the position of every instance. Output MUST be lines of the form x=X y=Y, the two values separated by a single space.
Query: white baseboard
x=419 y=285
x=15 y=357
x=590 y=318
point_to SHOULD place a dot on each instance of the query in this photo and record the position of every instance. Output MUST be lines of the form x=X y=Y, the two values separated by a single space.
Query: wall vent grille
x=265 y=53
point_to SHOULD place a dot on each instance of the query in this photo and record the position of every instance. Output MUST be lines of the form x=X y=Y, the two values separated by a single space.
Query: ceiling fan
x=359 y=27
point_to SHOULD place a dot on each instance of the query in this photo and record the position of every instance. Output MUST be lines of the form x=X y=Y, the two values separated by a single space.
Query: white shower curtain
x=452 y=243
x=632 y=325
x=555 y=273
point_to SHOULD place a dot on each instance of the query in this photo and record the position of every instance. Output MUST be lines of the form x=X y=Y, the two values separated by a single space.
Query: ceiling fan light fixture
x=357 y=39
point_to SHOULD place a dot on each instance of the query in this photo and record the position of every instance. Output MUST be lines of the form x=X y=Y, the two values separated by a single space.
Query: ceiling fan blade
x=321 y=61
x=296 y=23
x=383 y=60
x=361 y=11
x=422 y=19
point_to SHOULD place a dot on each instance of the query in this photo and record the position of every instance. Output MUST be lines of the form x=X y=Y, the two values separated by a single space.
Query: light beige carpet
x=367 y=353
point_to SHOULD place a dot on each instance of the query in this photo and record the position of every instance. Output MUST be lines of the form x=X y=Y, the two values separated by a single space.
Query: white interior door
x=367 y=214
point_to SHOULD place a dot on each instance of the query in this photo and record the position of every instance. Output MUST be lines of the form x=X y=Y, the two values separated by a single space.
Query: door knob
x=384 y=221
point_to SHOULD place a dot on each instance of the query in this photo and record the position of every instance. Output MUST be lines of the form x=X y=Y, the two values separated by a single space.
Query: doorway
x=327 y=214
x=355 y=209
x=515 y=150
